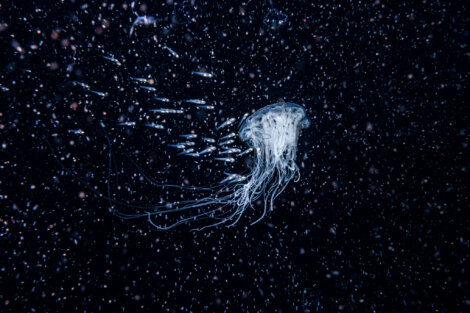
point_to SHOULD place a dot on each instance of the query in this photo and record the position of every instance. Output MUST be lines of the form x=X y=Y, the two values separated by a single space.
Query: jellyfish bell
x=273 y=132
x=278 y=125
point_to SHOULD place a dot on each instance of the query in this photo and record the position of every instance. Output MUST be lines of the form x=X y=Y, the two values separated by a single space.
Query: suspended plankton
x=272 y=133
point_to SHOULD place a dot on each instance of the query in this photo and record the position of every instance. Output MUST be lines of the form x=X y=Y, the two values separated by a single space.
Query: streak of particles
x=273 y=133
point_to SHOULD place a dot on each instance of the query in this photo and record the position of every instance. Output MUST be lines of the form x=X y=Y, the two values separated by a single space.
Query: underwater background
x=376 y=222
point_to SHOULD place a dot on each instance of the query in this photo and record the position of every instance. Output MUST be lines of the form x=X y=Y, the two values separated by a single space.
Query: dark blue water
x=375 y=224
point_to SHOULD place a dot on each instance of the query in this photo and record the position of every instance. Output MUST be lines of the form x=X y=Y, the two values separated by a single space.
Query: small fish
x=189 y=136
x=162 y=99
x=226 y=142
x=173 y=53
x=188 y=143
x=167 y=111
x=233 y=178
x=245 y=152
x=194 y=101
x=206 y=107
x=81 y=84
x=203 y=74
x=230 y=151
x=154 y=125
x=194 y=154
x=2 y=88
x=243 y=119
x=141 y=80
x=190 y=150
x=148 y=88
x=208 y=150
x=76 y=131
x=177 y=146
x=230 y=160
x=231 y=135
x=226 y=123
x=112 y=59
x=228 y=178
x=209 y=140
x=127 y=124
x=99 y=93
x=240 y=178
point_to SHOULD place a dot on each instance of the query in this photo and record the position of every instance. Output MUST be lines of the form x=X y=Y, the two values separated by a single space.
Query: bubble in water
x=275 y=19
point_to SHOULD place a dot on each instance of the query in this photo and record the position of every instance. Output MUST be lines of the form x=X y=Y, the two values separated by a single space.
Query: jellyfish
x=272 y=134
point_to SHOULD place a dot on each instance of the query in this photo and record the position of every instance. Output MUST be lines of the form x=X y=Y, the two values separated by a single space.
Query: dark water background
x=376 y=224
